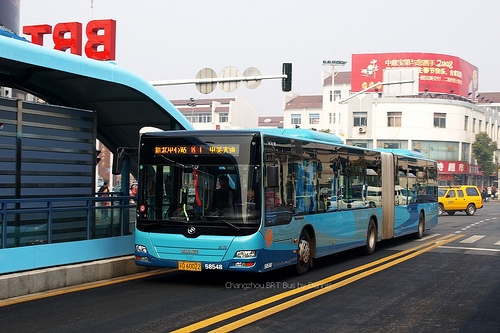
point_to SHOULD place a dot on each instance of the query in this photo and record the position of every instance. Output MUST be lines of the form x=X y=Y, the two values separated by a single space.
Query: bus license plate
x=190 y=266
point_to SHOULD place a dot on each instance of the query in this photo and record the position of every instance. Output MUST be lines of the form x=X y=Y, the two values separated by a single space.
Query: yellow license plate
x=190 y=266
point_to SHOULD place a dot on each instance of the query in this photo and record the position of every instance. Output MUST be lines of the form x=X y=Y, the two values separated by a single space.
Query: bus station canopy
x=123 y=101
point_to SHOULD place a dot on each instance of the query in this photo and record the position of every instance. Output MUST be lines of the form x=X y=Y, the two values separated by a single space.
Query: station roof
x=123 y=101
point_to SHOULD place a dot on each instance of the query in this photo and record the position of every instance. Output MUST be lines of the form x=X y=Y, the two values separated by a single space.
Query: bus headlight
x=246 y=254
x=140 y=248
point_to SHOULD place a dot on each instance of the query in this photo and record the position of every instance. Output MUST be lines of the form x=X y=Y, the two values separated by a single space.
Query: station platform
x=40 y=280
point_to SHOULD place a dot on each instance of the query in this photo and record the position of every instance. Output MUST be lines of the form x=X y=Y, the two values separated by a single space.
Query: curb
x=30 y=282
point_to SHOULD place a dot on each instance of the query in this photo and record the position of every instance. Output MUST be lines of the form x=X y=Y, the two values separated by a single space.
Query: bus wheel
x=304 y=253
x=371 y=237
x=421 y=226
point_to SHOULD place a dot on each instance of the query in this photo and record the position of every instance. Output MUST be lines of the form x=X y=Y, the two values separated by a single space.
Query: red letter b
x=107 y=39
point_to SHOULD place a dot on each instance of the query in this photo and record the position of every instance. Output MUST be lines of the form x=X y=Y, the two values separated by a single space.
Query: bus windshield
x=209 y=185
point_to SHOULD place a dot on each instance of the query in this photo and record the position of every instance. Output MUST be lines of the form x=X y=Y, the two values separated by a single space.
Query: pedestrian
x=103 y=192
x=133 y=192
x=484 y=194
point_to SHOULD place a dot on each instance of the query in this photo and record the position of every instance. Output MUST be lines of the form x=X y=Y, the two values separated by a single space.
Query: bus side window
x=278 y=191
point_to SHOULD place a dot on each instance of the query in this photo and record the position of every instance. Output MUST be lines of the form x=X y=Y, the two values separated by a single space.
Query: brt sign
x=101 y=37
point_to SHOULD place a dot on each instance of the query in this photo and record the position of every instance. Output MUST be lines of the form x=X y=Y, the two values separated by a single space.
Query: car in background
x=465 y=198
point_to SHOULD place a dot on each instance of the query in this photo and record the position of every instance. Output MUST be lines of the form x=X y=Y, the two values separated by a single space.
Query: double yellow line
x=325 y=286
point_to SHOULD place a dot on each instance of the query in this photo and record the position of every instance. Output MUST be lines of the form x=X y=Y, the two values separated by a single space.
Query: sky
x=173 y=40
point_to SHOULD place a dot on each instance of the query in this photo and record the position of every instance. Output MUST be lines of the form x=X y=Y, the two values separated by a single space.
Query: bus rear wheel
x=303 y=253
x=371 y=237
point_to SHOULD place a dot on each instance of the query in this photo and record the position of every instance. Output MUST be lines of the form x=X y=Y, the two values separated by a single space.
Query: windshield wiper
x=230 y=224
x=218 y=218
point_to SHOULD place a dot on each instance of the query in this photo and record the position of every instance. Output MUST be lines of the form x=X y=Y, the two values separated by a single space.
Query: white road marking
x=469 y=248
x=471 y=239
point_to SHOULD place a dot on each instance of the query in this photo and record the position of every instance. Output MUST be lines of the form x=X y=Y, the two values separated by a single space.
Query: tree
x=483 y=149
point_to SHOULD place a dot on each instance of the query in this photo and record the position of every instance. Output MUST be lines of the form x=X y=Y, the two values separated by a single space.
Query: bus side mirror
x=117 y=161
x=272 y=174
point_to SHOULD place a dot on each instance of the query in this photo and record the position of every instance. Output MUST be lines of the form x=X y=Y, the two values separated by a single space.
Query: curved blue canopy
x=124 y=101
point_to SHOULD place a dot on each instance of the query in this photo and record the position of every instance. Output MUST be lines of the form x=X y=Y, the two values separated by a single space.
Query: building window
x=392 y=144
x=337 y=95
x=480 y=124
x=465 y=152
x=466 y=123
x=223 y=117
x=473 y=125
x=199 y=117
x=314 y=118
x=296 y=119
x=438 y=150
x=394 y=119
x=440 y=120
x=332 y=117
x=331 y=96
x=360 y=118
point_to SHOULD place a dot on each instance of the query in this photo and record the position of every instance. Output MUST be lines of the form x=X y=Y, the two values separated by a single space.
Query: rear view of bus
x=197 y=204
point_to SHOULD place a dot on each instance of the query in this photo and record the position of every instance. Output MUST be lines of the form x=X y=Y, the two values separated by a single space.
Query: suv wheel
x=440 y=209
x=471 y=209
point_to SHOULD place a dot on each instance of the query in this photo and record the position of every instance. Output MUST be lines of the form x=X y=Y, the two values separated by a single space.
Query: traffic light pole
x=216 y=80
x=204 y=78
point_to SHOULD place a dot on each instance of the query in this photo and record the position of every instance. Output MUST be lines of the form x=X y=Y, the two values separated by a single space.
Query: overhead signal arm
x=206 y=79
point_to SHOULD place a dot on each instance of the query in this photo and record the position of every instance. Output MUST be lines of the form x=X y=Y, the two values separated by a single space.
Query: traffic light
x=286 y=82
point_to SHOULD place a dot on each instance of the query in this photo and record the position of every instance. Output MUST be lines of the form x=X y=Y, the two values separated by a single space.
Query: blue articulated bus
x=257 y=200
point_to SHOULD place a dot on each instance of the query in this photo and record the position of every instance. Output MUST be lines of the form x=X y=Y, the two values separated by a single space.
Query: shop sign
x=452 y=167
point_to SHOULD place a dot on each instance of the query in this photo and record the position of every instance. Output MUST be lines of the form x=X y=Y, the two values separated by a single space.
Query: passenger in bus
x=224 y=196
x=252 y=204
x=251 y=196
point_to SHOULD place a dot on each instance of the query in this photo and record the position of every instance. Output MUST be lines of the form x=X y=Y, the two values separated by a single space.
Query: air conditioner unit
x=362 y=129
x=7 y=92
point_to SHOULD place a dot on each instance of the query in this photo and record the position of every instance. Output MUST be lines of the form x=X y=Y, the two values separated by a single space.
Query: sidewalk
x=30 y=282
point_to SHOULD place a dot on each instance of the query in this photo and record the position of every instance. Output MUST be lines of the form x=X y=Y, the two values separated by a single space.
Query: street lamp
x=336 y=117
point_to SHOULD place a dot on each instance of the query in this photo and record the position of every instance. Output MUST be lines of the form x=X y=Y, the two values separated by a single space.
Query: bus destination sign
x=233 y=149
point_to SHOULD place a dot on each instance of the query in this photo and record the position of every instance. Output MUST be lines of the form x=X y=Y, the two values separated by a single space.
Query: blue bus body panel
x=166 y=250
x=406 y=217
x=179 y=247
x=334 y=232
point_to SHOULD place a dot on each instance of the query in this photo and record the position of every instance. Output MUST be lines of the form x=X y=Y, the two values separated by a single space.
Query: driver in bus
x=225 y=196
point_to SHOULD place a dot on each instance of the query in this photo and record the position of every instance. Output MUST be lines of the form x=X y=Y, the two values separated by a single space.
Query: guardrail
x=27 y=222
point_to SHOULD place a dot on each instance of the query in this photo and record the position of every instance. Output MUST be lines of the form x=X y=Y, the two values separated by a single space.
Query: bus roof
x=303 y=134
x=402 y=152
x=289 y=133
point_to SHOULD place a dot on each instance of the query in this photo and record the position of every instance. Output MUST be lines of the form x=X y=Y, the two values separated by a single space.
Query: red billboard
x=438 y=73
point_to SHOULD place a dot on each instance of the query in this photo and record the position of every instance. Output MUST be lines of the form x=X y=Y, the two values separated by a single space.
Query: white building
x=441 y=126
x=222 y=113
